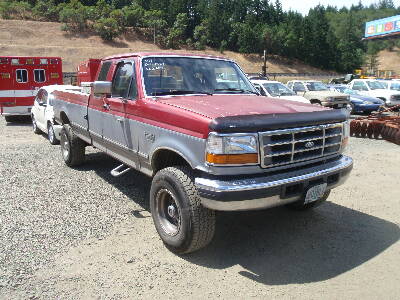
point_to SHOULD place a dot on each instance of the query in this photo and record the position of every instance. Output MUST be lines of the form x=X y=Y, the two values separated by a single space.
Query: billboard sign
x=382 y=27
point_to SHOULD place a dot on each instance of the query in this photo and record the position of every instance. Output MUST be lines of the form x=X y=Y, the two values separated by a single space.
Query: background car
x=43 y=115
x=275 y=89
x=318 y=93
x=390 y=84
x=374 y=88
x=359 y=103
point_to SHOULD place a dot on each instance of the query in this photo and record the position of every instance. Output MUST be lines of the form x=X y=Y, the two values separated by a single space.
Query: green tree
x=107 y=28
x=177 y=33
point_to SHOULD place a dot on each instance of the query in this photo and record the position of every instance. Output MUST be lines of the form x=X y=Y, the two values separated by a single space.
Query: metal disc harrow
x=381 y=124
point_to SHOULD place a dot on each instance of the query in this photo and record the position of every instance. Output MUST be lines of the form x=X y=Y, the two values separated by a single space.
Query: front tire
x=72 y=147
x=35 y=128
x=51 y=135
x=183 y=224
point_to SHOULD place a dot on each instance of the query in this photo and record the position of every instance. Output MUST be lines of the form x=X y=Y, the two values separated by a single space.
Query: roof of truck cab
x=144 y=54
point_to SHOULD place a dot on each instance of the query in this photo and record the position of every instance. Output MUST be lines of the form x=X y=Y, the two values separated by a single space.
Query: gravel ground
x=80 y=233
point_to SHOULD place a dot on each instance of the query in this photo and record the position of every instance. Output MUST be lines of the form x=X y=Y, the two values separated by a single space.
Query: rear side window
x=22 y=76
x=39 y=75
x=105 y=67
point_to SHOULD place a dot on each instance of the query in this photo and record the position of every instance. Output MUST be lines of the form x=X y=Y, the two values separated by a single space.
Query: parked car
x=318 y=93
x=275 y=89
x=42 y=113
x=208 y=146
x=374 y=88
x=390 y=84
x=359 y=103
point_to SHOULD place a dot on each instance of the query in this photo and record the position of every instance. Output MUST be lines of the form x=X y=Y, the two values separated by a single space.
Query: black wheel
x=34 y=126
x=299 y=205
x=72 y=147
x=51 y=135
x=183 y=224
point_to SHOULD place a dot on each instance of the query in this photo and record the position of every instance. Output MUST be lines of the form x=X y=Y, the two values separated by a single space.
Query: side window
x=298 y=87
x=122 y=79
x=105 y=67
x=39 y=75
x=22 y=76
x=359 y=86
x=290 y=85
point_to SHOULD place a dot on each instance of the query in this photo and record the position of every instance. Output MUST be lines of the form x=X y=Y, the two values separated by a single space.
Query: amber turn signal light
x=232 y=159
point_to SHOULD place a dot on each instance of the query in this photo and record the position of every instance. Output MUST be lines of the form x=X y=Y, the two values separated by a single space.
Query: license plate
x=315 y=192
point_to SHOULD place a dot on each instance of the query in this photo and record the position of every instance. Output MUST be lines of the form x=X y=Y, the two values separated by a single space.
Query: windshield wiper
x=179 y=92
x=236 y=90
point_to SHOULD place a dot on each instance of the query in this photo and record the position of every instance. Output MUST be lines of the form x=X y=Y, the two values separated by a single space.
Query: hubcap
x=168 y=212
x=65 y=146
x=51 y=134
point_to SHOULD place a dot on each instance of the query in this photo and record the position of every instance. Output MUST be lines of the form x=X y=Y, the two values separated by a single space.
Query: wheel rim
x=34 y=124
x=51 y=133
x=168 y=212
x=65 y=146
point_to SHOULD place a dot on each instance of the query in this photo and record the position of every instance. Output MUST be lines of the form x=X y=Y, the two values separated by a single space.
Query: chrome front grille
x=287 y=146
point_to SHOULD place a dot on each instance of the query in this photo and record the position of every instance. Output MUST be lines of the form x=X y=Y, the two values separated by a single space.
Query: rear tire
x=51 y=135
x=183 y=224
x=299 y=205
x=35 y=128
x=72 y=147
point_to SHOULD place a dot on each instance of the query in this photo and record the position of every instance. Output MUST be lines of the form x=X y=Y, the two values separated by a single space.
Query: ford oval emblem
x=309 y=144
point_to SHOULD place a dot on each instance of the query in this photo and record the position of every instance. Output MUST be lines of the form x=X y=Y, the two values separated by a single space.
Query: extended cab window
x=105 y=67
x=22 y=76
x=39 y=75
x=122 y=86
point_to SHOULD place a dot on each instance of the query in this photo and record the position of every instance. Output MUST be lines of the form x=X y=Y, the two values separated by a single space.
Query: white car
x=374 y=88
x=43 y=115
x=275 y=89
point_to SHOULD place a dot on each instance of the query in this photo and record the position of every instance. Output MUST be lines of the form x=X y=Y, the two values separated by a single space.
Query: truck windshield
x=316 y=86
x=375 y=85
x=276 y=89
x=186 y=75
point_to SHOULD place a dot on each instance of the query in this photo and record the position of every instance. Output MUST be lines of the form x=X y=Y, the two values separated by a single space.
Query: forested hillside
x=327 y=37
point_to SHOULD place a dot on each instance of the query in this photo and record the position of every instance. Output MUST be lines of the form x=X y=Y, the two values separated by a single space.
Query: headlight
x=346 y=134
x=236 y=149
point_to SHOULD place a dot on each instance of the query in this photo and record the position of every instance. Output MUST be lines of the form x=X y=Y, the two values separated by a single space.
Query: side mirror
x=102 y=87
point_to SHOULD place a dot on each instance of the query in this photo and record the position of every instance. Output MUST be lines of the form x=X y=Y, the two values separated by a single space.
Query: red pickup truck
x=209 y=140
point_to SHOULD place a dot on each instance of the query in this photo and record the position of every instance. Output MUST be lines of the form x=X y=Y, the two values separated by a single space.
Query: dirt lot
x=80 y=233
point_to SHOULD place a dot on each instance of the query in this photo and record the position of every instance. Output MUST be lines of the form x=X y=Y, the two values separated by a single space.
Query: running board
x=117 y=171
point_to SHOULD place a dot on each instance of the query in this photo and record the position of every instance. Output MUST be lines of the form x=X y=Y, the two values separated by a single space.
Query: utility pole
x=264 y=67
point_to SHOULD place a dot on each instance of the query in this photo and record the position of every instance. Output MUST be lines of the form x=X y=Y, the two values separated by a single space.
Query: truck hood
x=216 y=106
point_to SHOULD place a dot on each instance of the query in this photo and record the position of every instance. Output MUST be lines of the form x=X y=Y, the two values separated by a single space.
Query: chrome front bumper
x=271 y=190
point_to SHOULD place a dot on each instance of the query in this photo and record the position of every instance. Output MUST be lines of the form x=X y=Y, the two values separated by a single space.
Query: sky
x=302 y=6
